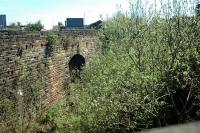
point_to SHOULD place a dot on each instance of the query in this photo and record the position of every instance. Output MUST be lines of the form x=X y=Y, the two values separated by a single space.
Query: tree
x=15 y=26
x=35 y=26
x=55 y=28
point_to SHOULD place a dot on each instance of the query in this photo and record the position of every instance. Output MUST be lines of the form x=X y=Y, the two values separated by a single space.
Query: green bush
x=67 y=41
x=60 y=119
x=51 y=44
x=37 y=26
x=147 y=75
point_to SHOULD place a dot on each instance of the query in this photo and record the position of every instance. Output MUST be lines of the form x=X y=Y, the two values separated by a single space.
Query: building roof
x=96 y=25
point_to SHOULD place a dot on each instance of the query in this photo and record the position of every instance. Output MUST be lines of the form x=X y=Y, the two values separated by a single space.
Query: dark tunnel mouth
x=76 y=62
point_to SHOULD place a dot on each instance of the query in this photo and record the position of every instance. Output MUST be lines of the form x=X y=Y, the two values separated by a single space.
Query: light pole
x=89 y=11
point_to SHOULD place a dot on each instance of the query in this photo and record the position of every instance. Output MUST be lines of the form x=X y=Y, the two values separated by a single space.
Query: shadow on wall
x=75 y=66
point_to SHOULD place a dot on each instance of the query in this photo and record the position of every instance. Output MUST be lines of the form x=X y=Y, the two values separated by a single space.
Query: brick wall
x=24 y=66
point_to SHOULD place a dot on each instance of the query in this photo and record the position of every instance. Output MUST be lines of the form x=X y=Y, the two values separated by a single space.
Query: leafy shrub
x=147 y=77
x=51 y=44
x=67 y=41
x=60 y=119
x=35 y=26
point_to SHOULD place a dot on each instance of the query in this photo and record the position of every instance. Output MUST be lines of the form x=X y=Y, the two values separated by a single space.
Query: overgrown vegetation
x=37 y=26
x=15 y=26
x=31 y=27
x=51 y=45
x=20 y=51
x=20 y=106
x=66 y=41
x=148 y=74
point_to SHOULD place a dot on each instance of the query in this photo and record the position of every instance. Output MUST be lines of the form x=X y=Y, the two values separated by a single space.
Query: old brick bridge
x=25 y=69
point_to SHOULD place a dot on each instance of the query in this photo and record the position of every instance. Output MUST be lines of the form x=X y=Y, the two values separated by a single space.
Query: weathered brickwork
x=25 y=68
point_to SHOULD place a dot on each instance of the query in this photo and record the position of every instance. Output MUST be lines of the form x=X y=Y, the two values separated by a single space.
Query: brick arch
x=75 y=66
x=76 y=62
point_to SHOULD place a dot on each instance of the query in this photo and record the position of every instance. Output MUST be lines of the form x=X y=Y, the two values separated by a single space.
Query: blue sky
x=50 y=12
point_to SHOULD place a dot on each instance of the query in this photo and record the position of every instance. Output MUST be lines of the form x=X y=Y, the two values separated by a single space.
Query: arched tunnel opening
x=75 y=66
